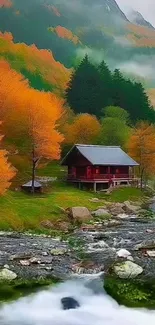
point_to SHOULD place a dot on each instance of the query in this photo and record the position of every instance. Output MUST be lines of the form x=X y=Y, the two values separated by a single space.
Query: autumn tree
x=30 y=118
x=41 y=137
x=141 y=147
x=85 y=129
x=7 y=171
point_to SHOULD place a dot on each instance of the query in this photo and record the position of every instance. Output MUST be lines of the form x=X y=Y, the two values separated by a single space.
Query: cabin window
x=97 y=170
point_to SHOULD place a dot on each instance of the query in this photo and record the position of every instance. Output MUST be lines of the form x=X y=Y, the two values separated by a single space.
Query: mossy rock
x=131 y=293
x=10 y=291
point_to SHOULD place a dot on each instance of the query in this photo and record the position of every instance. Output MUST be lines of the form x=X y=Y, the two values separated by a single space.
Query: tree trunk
x=33 y=176
x=141 y=179
x=33 y=172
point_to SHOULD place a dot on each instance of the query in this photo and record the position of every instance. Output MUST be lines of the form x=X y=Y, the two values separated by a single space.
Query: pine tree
x=107 y=82
x=84 y=93
x=132 y=97
x=117 y=91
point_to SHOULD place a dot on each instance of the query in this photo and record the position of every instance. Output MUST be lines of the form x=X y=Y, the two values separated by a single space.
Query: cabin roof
x=102 y=155
x=29 y=184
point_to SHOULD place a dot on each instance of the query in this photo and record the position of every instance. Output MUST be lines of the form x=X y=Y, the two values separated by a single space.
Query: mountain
x=136 y=18
x=69 y=29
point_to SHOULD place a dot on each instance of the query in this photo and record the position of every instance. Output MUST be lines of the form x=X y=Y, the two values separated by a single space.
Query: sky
x=145 y=7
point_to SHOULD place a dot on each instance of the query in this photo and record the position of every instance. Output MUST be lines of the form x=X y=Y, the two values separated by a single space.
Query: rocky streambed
x=121 y=246
x=91 y=249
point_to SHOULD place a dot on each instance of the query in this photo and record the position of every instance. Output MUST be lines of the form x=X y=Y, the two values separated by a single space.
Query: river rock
x=64 y=226
x=69 y=303
x=116 y=208
x=21 y=256
x=7 y=275
x=127 y=270
x=25 y=262
x=58 y=251
x=47 y=224
x=130 y=208
x=123 y=253
x=35 y=260
x=151 y=253
x=80 y=214
x=101 y=213
x=100 y=245
x=146 y=244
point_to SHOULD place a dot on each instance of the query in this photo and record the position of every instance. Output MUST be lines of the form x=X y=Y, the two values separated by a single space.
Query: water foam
x=96 y=307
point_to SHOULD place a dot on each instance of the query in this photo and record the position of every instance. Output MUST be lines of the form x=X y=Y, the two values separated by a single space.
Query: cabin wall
x=90 y=172
x=77 y=160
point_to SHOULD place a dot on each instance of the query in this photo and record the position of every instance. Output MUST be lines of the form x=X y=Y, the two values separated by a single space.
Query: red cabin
x=99 y=166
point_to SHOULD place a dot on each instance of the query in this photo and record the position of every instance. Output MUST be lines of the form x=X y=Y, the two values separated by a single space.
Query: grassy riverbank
x=13 y=290
x=21 y=211
x=131 y=293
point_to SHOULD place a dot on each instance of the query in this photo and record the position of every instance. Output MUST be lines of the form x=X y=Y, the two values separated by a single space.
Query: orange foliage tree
x=7 y=172
x=84 y=129
x=141 y=147
x=29 y=117
x=35 y=60
x=65 y=33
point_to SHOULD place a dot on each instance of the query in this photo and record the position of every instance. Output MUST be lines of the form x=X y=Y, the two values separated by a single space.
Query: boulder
x=7 y=275
x=116 y=208
x=47 y=224
x=130 y=208
x=69 y=303
x=127 y=270
x=80 y=214
x=101 y=213
x=64 y=226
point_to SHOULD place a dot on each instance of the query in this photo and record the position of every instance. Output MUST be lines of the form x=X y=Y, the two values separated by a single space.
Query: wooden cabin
x=99 y=167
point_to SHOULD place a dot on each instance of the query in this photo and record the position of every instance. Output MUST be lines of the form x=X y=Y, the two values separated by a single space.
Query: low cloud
x=123 y=41
x=135 y=68
x=96 y=56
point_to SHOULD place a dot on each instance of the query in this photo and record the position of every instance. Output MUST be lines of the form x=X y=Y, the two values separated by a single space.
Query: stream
x=96 y=307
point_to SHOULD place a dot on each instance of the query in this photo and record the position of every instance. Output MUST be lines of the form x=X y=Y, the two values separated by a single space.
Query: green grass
x=125 y=194
x=24 y=212
x=52 y=170
x=20 y=211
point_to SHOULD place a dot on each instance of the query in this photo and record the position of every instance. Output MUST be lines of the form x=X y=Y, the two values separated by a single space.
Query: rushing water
x=96 y=308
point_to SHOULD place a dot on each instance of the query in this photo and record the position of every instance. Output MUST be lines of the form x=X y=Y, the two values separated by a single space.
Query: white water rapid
x=96 y=308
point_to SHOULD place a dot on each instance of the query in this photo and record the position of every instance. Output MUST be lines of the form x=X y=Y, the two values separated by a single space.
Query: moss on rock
x=131 y=293
x=13 y=290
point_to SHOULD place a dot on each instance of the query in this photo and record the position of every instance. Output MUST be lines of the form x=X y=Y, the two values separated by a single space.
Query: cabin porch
x=101 y=177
